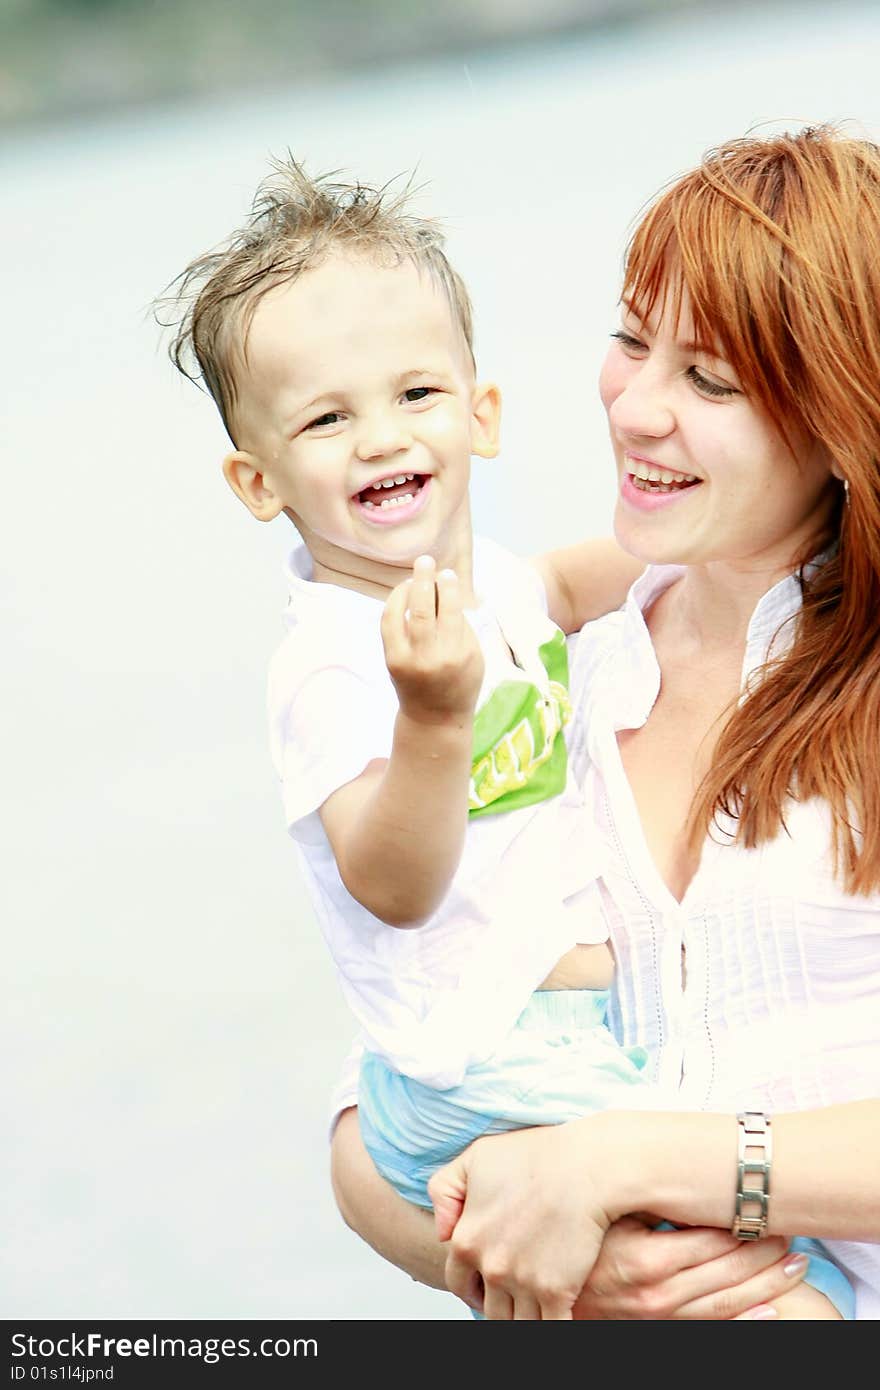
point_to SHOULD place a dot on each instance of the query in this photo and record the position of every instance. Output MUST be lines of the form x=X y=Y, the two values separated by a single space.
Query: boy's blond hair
x=295 y=221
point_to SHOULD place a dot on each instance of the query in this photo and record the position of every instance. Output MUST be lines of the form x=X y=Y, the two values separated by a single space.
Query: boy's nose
x=381 y=437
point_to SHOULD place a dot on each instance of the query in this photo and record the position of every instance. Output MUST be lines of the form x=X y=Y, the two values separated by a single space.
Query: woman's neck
x=711 y=606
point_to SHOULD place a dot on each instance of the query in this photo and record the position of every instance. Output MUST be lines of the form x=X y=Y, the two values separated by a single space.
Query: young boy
x=418 y=700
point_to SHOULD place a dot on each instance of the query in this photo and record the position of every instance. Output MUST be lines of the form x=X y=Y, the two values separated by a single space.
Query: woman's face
x=704 y=475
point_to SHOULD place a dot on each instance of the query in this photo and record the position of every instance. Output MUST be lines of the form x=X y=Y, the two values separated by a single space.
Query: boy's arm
x=397 y=831
x=586 y=580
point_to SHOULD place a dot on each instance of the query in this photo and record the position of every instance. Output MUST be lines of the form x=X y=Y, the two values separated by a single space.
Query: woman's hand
x=704 y=1273
x=532 y=1223
x=526 y=1216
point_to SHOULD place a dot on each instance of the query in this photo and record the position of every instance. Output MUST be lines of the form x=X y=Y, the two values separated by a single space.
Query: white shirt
x=436 y=999
x=780 y=1009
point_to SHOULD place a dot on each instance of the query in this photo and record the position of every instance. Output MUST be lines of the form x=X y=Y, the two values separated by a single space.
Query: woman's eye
x=418 y=393
x=709 y=387
x=331 y=418
x=627 y=341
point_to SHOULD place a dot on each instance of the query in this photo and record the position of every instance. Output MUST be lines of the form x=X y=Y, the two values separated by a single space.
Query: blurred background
x=174 y=1026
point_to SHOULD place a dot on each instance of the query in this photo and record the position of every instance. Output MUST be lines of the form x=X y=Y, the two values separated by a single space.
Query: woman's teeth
x=647 y=478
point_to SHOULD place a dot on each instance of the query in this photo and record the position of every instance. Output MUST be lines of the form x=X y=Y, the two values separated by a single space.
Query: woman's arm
x=526 y=1193
x=826 y=1169
x=586 y=580
x=641 y=1273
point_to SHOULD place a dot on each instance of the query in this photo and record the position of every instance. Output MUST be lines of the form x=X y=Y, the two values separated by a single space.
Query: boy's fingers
x=393 y=623
x=422 y=597
x=397 y=603
x=449 y=606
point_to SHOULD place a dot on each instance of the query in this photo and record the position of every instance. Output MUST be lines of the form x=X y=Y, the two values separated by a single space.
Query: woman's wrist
x=683 y=1167
x=679 y=1166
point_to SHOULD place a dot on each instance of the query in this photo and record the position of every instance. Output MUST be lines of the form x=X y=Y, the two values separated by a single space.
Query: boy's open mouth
x=393 y=492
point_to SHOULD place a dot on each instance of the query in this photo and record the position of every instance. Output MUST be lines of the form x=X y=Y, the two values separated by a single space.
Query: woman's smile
x=646 y=484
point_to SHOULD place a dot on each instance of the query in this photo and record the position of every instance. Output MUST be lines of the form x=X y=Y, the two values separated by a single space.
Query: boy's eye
x=332 y=417
x=707 y=386
x=418 y=393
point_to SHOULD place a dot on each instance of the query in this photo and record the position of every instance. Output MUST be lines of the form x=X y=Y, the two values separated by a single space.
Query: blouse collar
x=637 y=684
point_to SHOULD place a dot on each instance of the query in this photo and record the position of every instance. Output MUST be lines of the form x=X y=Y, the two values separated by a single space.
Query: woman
x=731 y=763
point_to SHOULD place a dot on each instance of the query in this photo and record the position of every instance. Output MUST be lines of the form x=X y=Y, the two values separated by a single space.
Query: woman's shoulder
x=598 y=642
x=618 y=645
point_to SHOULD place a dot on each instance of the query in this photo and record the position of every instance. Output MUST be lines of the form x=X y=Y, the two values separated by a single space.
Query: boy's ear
x=485 y=420
x=243 y=474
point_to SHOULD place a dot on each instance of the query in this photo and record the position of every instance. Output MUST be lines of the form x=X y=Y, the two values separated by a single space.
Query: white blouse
x=779 y=1008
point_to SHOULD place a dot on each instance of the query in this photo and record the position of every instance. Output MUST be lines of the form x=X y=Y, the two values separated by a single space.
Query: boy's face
x=358 y=413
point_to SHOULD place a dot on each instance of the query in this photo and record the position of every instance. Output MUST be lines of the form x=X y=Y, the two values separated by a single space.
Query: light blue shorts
x=557 y=1063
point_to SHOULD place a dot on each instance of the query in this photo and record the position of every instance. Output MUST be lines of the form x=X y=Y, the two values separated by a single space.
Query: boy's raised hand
x=431 y=651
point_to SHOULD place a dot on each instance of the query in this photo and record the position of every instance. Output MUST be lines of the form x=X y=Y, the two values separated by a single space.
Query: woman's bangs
x=696 y=240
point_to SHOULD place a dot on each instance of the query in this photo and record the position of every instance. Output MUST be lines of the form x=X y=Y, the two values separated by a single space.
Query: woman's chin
x=647 y=542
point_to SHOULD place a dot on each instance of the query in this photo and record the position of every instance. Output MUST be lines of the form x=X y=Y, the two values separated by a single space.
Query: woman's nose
x=643 y=406
x=381 y=436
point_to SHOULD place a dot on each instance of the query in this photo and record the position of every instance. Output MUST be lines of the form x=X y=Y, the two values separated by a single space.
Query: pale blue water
x=175 y=1025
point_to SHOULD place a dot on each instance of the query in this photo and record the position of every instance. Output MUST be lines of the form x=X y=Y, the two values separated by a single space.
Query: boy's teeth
x=395 y=482
x=386 y=491
x=391 y=501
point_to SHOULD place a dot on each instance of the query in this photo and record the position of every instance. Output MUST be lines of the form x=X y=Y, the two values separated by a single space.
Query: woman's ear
x=485 y=420
x=243 y=473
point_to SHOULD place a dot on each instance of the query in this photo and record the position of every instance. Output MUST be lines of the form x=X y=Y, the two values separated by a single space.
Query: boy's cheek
x=447 y=429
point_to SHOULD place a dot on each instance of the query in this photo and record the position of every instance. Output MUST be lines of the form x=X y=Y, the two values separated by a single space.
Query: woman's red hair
x=777 y=242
